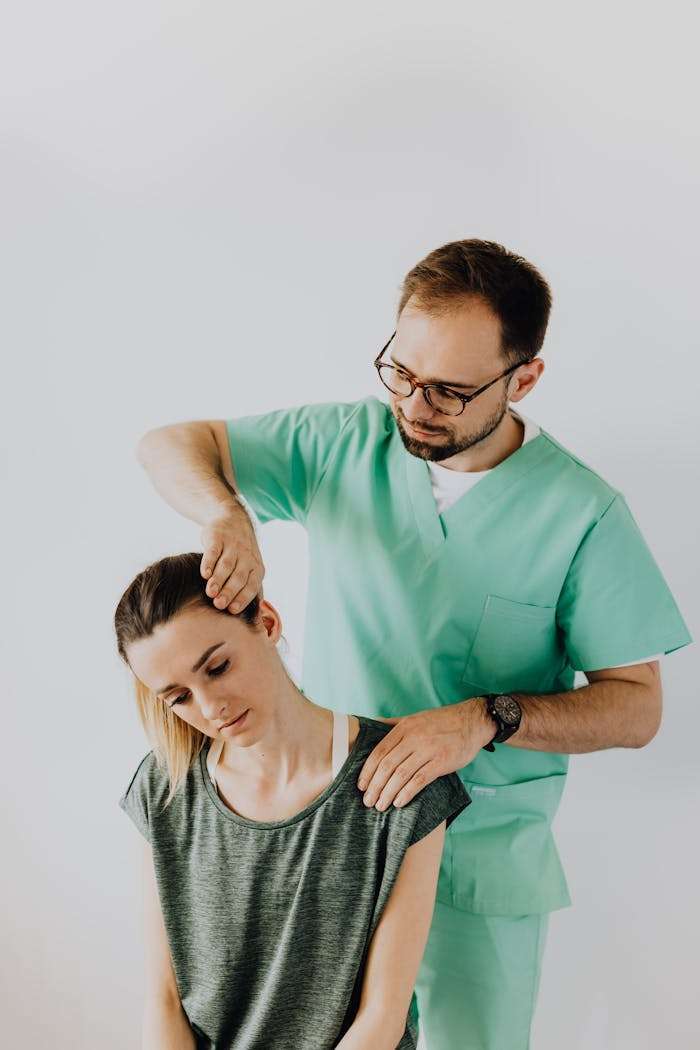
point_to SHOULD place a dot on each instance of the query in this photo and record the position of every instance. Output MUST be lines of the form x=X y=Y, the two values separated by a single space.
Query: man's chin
x=425 y=449
x=446 y=447
x=435 y=453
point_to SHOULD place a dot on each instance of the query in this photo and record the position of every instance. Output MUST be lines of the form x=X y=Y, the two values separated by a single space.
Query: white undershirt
x=448 y=485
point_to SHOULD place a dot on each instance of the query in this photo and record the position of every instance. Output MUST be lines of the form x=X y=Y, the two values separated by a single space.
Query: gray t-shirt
x=269 y=923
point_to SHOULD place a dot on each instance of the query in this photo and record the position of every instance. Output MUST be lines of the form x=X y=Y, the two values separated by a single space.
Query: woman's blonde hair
x=155 y=596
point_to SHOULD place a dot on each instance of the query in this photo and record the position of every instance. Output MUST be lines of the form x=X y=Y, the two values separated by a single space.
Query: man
x=463 y=566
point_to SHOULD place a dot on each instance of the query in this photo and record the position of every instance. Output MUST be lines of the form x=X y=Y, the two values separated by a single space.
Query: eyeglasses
x=441 y=398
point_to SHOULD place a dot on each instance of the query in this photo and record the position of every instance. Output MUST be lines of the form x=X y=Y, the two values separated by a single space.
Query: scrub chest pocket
x=516 y=647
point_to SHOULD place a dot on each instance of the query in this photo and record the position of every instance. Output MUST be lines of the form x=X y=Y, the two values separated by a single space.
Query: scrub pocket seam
x=503 y=610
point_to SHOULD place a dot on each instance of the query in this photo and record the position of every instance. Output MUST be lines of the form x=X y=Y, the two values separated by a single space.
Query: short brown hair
x=510 y=285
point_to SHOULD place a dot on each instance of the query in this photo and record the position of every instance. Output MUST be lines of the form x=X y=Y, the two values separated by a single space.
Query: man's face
x=460 y=350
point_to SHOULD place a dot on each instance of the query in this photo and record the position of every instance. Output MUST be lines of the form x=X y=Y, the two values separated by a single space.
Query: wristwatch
x=506 y=713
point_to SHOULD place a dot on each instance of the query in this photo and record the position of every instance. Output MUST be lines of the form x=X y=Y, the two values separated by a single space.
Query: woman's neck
x=296 y=742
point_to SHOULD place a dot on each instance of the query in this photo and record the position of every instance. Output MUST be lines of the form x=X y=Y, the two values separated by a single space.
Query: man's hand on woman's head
x=231 y=563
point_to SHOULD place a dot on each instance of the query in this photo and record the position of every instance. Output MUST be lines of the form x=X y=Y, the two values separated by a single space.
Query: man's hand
x=232 y=563
x=190 y=465
x=422 y=747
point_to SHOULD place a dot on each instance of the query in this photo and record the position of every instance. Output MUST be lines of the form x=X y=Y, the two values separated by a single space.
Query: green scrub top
x=539 y=570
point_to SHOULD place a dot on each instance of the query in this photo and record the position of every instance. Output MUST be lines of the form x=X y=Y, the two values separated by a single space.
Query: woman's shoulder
x=443 y=799
x=148 y=776
x=147 y=797
x=148 y=787
x=373 y=729
x=148 y=783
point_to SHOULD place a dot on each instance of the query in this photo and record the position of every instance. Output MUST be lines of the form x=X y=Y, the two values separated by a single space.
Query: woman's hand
x=232 y=563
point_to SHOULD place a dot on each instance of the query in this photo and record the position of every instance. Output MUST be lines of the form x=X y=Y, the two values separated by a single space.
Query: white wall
x=207 y=211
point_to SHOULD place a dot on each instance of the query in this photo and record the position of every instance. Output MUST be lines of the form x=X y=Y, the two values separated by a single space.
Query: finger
x=225 y=565
x=398 y=779
x=384 y=772
x=245 y=596
x=210 y=557
x=374 y=758
x=391 y=721
x=420 y=779
x=233 y=585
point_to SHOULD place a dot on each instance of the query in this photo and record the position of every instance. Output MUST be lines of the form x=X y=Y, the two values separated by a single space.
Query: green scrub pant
x=478 y=980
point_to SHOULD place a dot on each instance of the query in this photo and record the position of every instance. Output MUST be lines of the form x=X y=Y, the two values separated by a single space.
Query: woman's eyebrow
x=203 y=657
x=438 y=382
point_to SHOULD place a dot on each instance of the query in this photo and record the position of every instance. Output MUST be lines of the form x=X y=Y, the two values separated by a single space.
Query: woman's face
x=210 y=668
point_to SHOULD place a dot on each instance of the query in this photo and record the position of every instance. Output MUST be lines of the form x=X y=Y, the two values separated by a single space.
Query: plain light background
x=207 y=211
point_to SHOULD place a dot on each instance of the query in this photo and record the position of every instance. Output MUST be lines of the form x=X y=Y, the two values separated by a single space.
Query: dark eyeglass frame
x=426 y=387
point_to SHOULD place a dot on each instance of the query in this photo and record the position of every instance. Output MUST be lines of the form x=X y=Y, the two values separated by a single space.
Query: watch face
x=508 y=710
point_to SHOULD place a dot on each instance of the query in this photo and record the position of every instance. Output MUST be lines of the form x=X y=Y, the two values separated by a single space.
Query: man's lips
x=422 y=433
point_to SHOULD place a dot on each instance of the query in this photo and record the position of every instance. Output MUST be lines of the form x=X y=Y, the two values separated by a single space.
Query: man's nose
x=415 y=407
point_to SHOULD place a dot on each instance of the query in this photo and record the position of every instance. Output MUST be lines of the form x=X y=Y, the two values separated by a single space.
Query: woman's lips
x=235 y=723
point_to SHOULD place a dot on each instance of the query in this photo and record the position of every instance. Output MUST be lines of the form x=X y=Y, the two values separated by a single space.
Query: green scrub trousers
x=478 y=981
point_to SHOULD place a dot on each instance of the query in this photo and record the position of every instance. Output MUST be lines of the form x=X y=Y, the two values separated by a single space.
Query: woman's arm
x=396 y=949
x=165 y=1024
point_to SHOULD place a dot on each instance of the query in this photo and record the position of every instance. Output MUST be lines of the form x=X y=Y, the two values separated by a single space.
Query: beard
x=451 y=444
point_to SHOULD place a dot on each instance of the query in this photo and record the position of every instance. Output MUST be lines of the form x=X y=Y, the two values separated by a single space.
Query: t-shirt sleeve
x=134 y=801
x=279 y=458
x=615 y=606
x=444 y=799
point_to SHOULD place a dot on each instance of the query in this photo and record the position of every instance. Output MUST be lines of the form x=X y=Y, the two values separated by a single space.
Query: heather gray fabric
x=269 y=923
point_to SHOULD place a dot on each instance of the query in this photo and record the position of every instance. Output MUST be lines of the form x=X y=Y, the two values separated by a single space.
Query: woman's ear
x=271 y=620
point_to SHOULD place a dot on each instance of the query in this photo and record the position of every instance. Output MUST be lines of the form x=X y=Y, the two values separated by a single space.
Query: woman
x=281 y=911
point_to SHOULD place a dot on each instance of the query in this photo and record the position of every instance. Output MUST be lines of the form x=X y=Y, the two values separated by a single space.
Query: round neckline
x=263 y=825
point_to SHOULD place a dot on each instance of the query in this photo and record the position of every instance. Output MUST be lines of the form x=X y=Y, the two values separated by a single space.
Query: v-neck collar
x=433 y=527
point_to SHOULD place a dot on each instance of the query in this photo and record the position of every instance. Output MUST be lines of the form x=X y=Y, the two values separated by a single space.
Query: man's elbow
x=172 y=437
x=647 y=726
x=145 y=444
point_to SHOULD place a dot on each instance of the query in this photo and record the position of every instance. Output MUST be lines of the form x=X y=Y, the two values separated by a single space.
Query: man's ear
x=536 y=369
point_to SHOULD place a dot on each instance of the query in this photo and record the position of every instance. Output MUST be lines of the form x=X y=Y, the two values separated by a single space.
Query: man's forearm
x=184 y=464
x=600 y=715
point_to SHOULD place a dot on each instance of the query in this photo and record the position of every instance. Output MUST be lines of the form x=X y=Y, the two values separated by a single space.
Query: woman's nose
x=213 y=708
